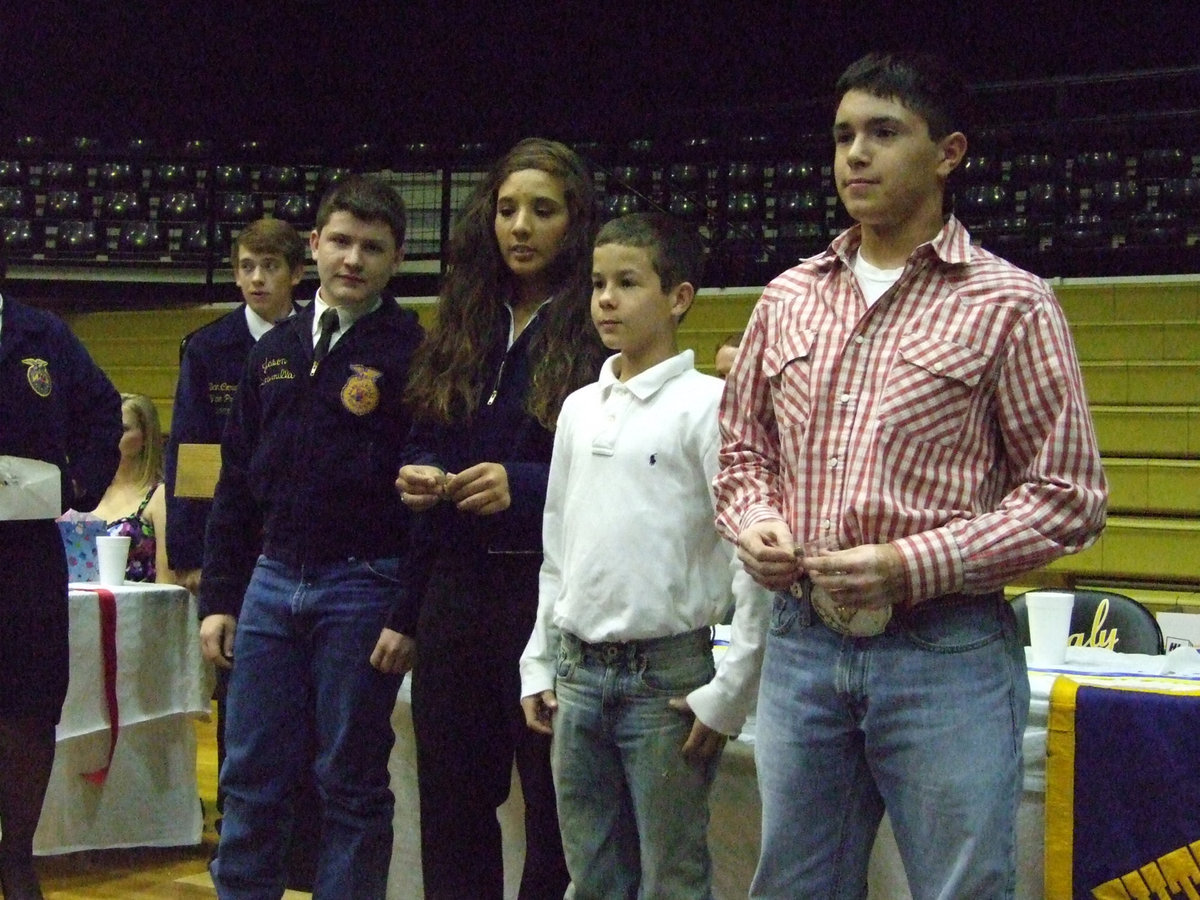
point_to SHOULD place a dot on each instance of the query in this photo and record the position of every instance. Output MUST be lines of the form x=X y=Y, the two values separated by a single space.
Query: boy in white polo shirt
x=619 y=666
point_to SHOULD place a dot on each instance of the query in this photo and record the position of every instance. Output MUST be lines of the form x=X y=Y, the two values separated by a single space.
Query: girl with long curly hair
x=513 y=337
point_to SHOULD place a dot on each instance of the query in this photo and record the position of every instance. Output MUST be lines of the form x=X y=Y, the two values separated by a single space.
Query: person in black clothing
x=307 y=460
x=57 y=407
x=513 y=338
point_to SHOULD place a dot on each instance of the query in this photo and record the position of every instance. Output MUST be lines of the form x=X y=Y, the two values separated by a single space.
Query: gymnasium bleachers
x=1065 y=176
x=1139 y=348
x=139 y=350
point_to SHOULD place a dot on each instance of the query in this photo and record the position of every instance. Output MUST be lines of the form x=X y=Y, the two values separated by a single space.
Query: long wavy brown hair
x=448 y=374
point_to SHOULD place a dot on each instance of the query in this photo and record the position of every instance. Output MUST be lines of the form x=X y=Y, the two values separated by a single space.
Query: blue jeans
x=633 y=811
x=925 y=720
x=303 y=693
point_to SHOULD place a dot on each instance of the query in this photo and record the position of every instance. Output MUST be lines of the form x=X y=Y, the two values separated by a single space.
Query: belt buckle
x=610 y=653
x=855 y=621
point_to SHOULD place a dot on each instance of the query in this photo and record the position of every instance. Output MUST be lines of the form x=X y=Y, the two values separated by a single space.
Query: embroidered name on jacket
x=276 y=369
x=1175 y=874
x=220 y=396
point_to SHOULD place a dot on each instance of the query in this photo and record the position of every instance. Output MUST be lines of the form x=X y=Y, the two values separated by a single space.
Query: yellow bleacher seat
x=1148 y=431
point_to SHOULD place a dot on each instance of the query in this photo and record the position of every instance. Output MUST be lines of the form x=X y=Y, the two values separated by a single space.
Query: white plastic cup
x=112 y=556
x=1049 y=626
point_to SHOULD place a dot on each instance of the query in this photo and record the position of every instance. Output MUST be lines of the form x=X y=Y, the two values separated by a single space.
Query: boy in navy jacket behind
x=268 y=262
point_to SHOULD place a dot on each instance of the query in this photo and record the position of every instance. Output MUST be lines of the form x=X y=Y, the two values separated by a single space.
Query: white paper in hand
x=29 y=489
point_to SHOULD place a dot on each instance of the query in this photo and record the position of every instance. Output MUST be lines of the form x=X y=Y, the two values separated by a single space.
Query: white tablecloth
x=149 y=797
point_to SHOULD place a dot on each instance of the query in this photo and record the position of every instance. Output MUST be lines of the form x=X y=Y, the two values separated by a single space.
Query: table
x=1121 y=820
x=887 y=872
x=148 y=795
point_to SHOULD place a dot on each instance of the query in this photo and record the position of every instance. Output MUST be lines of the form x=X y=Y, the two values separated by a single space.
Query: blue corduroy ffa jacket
x=210 y=369
x=310 y=461
x=56 y=405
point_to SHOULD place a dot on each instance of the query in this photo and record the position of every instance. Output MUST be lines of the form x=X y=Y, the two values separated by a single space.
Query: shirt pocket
x=788 y=367
x=931 y=387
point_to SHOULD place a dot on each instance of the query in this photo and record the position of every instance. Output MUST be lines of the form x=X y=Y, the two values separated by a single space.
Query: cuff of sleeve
x=932 y=564
x=756 y=514
x=183 y=562
x=535 y=678
x=403 y=617
x=717 y=712
x=217 y=599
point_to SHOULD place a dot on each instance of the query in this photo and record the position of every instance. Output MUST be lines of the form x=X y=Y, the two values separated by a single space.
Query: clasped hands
x=870 y=576
x=481 y=489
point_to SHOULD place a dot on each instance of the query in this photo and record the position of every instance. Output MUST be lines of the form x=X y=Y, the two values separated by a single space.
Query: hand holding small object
x=421 y=487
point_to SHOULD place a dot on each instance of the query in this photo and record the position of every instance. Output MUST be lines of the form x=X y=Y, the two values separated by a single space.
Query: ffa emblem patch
x=360 y=394
x=38 y=374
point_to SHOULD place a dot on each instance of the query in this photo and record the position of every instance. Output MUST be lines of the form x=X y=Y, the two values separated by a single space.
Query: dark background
x=305 y=74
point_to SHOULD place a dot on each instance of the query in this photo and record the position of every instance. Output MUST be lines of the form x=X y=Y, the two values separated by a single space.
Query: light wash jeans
x=633 y=811
x=302 y=686
x=925 y=720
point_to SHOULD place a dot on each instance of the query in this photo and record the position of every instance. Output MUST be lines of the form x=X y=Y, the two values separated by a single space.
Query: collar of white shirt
x=645 y=384
x=347 y=316
x=258 y=325
x=512 y=320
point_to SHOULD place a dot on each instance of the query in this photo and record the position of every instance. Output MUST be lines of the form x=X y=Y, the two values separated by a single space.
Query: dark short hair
x=366 y=197
x=269 y=236
x=921 y=82
x=675 y=248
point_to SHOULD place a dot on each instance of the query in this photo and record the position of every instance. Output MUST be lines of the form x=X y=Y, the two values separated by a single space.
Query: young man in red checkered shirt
x=905 y=431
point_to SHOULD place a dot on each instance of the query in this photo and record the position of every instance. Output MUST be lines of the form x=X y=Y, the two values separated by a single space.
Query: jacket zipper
x=499 y=377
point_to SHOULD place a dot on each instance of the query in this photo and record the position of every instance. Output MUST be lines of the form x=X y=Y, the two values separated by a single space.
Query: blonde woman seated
x=135 y=502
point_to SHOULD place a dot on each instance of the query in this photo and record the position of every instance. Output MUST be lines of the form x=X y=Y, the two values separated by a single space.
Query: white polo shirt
x=631 y=551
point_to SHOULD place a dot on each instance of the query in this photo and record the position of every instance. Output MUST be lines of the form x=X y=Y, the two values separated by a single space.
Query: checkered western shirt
x=948 y=418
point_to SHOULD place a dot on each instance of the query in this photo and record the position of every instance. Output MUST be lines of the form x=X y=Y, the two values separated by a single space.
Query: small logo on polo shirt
x=360 y=395
x=38 y=374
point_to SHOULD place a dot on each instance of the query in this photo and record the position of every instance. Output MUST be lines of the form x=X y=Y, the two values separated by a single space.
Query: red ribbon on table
x=108 y=651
